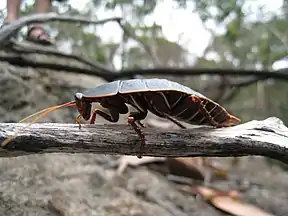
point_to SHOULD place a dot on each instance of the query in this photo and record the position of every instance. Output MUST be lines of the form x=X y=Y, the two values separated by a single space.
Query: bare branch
x=268 y=138
x=245 y=83
x=29 y=49
x=236 y=86
x=229 y=88
x=263 y=74
x=105 y=73
x=22 y=60
x=16 y=58
x=149 y=49
x=278 y=35
x=8 y=30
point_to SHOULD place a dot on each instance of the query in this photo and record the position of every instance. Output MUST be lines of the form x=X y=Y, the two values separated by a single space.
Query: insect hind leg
x=230 y=122
x=176 y=122
x=227 y=123
x=204 y=110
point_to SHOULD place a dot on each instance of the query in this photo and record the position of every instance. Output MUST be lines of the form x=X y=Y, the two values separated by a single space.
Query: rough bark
x=267 y=138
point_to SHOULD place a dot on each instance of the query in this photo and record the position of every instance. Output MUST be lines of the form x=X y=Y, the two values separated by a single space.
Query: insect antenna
x=44 y=112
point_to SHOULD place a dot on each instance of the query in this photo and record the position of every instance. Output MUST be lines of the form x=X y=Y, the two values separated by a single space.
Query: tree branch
x=264 y=74
x=26 y=61
x=149 y=49
x=8 y=30
x=267 y=138
x=29 y=49
x=101 y=71
x=16 y=58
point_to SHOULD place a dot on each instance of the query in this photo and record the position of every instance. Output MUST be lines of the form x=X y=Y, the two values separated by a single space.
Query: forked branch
x=267 y=138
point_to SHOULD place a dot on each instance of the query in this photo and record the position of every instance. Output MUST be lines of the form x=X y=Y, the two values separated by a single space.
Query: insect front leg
x=112 y=108
x=137 y=117
x=78 y=120
x=110 y=115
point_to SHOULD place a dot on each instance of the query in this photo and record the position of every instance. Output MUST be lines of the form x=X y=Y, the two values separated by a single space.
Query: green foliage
x=206 y=9
x=139 y=8
x=233 y=30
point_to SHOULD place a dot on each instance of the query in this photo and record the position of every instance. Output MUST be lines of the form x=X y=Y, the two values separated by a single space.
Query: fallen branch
x=267 y=138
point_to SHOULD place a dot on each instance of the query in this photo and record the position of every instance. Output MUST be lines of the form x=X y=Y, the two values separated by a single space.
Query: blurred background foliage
x=247 y=36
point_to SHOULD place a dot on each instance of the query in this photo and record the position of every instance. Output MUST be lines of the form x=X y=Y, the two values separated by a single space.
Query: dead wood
x=267 y=138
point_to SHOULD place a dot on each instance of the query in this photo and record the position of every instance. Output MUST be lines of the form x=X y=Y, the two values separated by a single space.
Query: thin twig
x=147 y=47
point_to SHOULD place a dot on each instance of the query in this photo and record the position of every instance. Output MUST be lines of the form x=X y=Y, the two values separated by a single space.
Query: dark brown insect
x=161 y=97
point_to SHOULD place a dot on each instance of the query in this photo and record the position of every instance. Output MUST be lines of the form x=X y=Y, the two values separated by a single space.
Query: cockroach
x=162 y=97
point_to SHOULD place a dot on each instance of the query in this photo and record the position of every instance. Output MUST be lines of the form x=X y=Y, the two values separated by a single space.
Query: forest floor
x=86 y=184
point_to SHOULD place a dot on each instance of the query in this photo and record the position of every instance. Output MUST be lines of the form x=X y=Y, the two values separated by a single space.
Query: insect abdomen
x=202 y=111
x=180 y=106
x=217 y=112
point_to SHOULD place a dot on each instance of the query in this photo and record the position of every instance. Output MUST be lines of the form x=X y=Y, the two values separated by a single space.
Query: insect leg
x=175 y=122
x=112 y=107
x=93 y=117
x=137 y=117
x=225 y=124
x=203 y=109
x=110 y=115
x=228 y=122
x=116 y=103
x=78 y=120
x=159 y=105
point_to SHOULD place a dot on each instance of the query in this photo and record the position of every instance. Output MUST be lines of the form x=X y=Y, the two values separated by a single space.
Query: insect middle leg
x=137 y=117
x=159 y=105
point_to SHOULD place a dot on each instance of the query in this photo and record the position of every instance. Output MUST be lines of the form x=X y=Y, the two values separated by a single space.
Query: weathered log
x=267 y=138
